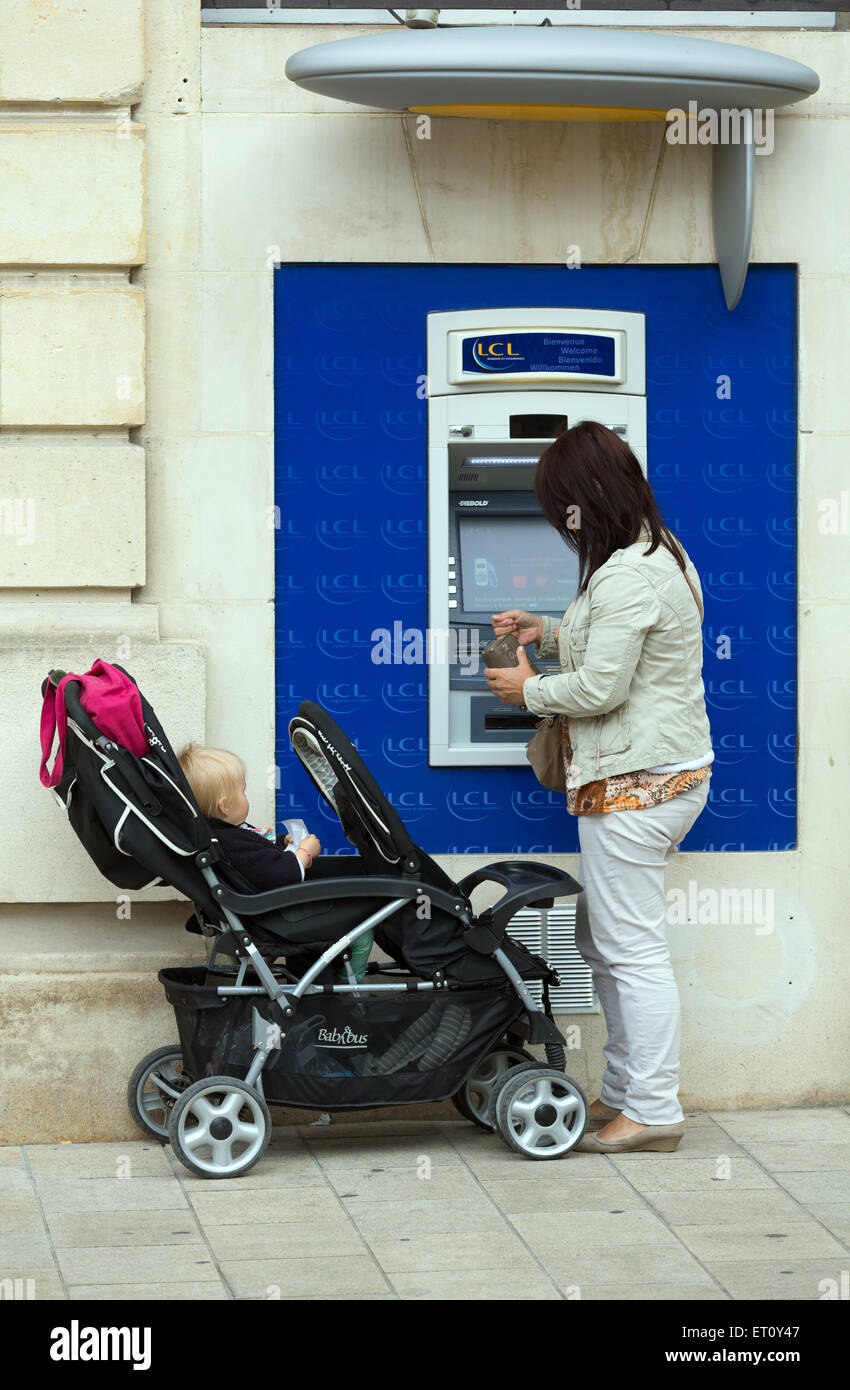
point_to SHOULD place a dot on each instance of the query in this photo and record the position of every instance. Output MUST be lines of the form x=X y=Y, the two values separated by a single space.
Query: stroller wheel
x=473 y=1099
x=154 y=1087
x=532 y=1065
x=220 y=1127
x=540 y=1112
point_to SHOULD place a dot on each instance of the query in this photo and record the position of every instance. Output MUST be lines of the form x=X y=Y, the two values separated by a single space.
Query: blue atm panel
x=351 y=548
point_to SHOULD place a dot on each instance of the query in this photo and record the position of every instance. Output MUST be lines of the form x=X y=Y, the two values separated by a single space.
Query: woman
x=637 y=752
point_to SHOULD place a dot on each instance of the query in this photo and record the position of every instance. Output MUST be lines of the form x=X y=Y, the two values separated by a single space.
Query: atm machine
x=502 y=384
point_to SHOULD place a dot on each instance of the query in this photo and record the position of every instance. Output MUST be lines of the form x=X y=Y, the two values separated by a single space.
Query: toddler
x=218 y=781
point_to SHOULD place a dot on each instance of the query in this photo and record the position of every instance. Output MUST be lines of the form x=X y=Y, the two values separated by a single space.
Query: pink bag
x=109 y=697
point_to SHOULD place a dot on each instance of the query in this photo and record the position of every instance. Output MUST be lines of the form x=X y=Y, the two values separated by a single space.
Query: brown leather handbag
x=544 y=751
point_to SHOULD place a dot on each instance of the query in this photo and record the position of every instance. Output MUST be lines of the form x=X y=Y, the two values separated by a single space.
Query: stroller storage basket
x=341 y=1052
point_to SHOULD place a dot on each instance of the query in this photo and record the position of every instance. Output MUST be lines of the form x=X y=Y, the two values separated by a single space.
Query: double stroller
x=449 y=1014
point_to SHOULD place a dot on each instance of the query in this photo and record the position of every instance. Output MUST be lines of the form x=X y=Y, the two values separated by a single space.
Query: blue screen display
x=589 y=353
x=515 y=562
x=351 y=550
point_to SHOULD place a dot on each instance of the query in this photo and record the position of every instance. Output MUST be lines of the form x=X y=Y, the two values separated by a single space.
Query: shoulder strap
x=48 y=730
x=696 y=599
x=53 y=724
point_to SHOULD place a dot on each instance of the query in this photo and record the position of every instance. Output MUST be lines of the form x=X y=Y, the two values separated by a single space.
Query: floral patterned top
x=627 y=791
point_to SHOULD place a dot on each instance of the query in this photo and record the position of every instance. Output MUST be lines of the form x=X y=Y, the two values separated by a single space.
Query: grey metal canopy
x=572 y=74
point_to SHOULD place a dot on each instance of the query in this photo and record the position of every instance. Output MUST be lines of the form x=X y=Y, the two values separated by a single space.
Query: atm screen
x=515 y=562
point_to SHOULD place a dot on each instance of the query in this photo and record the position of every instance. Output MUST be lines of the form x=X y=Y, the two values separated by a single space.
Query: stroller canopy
x=135 y=815
x=368 y=820
x=427 y=940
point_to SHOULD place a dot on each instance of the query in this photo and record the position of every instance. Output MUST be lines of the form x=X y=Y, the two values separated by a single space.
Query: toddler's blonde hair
x=213 y=774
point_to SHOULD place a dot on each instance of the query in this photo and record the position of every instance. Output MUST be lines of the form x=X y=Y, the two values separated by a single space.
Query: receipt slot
x=502 y=384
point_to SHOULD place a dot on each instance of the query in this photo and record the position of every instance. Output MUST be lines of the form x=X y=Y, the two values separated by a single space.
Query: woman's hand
x=526 y=627
x=506 y=682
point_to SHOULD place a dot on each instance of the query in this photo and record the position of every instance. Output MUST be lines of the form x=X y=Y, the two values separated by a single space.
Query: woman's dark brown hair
x=591 y=488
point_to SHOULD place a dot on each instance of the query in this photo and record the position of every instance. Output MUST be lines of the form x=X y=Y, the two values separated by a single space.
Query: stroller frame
x=266 y=1037
x=139 y=822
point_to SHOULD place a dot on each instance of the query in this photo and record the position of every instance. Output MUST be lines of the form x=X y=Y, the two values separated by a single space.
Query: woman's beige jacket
x=630 y=649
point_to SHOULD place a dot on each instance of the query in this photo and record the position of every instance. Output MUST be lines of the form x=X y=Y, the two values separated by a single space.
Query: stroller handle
x=523 y=873
x=528 y=884
x=52 y=678
x=72 y=703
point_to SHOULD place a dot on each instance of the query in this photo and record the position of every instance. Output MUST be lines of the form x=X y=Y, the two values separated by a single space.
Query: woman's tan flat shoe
x=650 y=1139
x=597 y=1121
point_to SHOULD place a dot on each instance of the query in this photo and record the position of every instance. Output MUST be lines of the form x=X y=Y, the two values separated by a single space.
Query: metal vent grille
x=550 y=932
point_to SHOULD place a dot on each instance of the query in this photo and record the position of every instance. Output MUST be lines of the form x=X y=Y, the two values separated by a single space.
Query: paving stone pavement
x=752 y=1205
